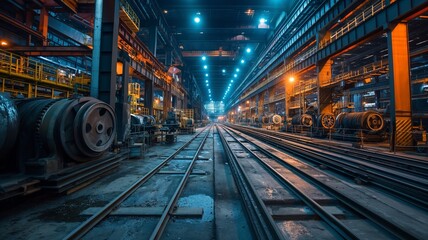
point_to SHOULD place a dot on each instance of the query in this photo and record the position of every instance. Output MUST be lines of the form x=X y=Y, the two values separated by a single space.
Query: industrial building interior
x=275 y=119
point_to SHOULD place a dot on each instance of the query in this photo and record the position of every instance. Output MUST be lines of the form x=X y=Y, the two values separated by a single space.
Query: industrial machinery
x=55 y=134
x=54 y=141
x=300 y=123
x=323 y=124
x=271 y=121
x=368 y=125
x=9 y=123
x=140 y=123
x=172 y=122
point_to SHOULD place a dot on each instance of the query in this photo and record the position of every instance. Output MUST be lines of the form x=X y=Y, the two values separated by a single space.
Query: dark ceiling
x=226 y=29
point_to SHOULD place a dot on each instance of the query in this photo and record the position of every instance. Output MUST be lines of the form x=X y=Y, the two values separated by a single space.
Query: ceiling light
x=204 y=58
x=206 y=81
x=242 y=61
x=263 y=20
x=249 y=12
x=237 y=70
x=197 y=19
x=3 y=43
x=232 y=80
x=165 y=11
x=206 y=74
x=248 y=50
x=205 y=66
x=207 y=84
x=235 y=75
x=224 y=70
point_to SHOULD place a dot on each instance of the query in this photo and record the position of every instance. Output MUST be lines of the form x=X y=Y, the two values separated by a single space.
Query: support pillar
x=153 y=39
x=167 y=105
x=148 y=95
x=324 y=93
x=106 y=53
x=358 y=103
x=399 y=83
x=123 y=116
x=43 y=25
x=168 y=56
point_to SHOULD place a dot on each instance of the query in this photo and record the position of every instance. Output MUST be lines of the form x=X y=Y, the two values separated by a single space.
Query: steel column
x=96 y=43
x=153 y=39
x=43 y=25
x=399 y=83
x=122 y=105
x=148 y=95
x=108 y=52
x=324 y=94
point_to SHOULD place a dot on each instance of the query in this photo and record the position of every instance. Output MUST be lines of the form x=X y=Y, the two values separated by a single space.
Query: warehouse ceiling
x=220 y=39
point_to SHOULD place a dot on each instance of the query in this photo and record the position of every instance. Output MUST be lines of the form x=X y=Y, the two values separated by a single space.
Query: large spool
x=326 y=120
x=369 y=120
x=302 y=120
x=9 y=123
x=81 y=129
x=272 y=119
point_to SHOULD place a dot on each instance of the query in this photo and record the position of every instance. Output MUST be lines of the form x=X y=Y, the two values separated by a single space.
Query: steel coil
x=303 y=120
x=369 y=120
x=81 y=129
x=9 y=123
x=326 y=120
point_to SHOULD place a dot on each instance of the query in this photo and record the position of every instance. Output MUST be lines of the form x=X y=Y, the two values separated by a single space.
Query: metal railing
x=32 y=70
x=354 y=22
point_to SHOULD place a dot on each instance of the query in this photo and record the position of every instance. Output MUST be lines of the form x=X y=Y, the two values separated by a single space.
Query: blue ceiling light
x=235 y=75
x=204 y=58
x=231 y=80
x=206 y=74
x=205 y=66
x=242 y=61
x=197 y=19
x=248 y=50
x=262 y=20
x=224 y=70
x=207 y=84
x=206 y=81
x=237 y=70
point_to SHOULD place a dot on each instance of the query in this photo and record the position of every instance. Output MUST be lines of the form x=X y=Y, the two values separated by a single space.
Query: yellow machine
x=134 y=99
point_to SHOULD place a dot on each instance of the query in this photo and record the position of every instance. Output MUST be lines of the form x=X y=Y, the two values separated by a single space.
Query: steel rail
x=169 y=209
x=380 y=221
x=405 y=164
x=91 y=222
x=261 y=220
x=397 y=183
x=331 y=220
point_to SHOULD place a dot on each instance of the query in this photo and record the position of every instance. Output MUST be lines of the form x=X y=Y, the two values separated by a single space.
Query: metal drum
x=326 y=120
x=370 y=120
x=9 y=123
x=303 y=120
x=81 y=129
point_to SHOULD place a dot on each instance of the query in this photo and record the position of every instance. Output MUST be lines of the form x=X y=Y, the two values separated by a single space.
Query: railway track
x=283 y=195
x=406 y=164
x=193 y=147
x=408 y=182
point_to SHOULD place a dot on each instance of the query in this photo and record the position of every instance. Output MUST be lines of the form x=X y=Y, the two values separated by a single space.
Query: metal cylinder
x=276 y=119
x=326 y=120
x=304 y=120
x=81 y=129
x=369 y=120
x=9 y=123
